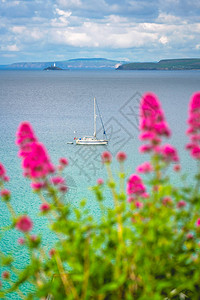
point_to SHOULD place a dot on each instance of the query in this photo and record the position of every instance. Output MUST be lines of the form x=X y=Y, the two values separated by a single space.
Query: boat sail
x=93 y=140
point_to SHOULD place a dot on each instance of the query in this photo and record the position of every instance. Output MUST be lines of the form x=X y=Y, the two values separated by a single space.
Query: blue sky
x=53 y=30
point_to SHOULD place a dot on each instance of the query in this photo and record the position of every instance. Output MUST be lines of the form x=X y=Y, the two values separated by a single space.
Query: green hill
x=165 y=64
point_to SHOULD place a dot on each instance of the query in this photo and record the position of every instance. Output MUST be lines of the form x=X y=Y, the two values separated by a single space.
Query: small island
x=52 y=68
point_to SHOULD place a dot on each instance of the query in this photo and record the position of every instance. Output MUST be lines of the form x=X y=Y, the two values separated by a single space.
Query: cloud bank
x=139 y=30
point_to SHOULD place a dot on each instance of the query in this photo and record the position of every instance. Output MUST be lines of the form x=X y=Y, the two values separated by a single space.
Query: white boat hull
x=92 y=142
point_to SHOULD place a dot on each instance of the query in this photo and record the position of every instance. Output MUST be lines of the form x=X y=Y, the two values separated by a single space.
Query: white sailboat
x=92 y=140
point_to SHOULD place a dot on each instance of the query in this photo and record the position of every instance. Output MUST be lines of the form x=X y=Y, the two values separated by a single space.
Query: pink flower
x=169 y=153
x=139 y=204
x=45 y=207
x=57 y=180
x=145 y=148
x=63 y=161
x=37 y=163
x=52 y=252
x=3 y=175
x=100 y=181
x=25 y=134
x=177 y=168
x=167 y=200
x=189 y=236
x=63 y=188
x=181 y=203
x=146 y=167
x=5 y=275
x=5 y=194
x=194 y=126
x=106 y=157
x=135 y=186
x=121 y=156
x=37 y=186
x=195 y=152
x=24 y=224
x=21 y=241
x=198 y=222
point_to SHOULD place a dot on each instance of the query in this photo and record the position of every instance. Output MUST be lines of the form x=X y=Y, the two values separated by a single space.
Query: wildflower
x=194 y=126
x=63 y=188
x=167 y=200
x=135 y=186
x=138 y=204
x=57 y=180
x=63 y=161
x=100 y=181
x=169 y=153
x=106 y=157
x=37 y=186
x=177 y=168
x=6 y=275
x=21 y=241
x=146 y=167
x=45 y=207
x=198 y=222
x=145 y=148
x=52 y=252
x=181 y=203
x=24 y=224
x=37 y=163
x=3 y=176
x=5 y=194
x=121 y=156
x=190 y=236
x=25 y=134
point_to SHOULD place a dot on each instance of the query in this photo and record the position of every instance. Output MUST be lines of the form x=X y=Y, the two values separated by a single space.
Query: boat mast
x=95 y=116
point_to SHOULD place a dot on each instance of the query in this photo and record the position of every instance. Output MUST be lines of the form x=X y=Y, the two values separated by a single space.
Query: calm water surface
x=59 y=105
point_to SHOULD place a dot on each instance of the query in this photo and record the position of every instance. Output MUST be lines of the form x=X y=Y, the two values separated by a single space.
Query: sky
x=130 y=30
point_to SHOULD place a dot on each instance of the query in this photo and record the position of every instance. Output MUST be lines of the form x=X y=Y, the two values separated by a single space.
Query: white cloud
x=10 y=48
x=163 y=40
x=69 y=3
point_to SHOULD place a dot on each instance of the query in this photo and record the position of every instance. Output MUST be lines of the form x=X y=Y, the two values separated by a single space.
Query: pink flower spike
x=24 y=224
x=21 y=241
x=146 y=167
x=2 y=171
x=45 y=207
x=130 y=199
x=100 y=181
x=198 y=222
x=181 y=203
x=106 y=157
x=63 y=161
x=169 y=153
x=121 y=156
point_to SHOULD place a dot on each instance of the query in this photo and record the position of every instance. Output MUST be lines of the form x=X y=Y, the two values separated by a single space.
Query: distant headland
x=106 y=64
x=165 y=64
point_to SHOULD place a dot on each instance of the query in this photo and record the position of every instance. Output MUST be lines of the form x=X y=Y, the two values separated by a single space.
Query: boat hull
x=89 y=143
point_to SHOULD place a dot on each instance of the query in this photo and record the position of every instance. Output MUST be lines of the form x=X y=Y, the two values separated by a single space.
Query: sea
x=59 y=105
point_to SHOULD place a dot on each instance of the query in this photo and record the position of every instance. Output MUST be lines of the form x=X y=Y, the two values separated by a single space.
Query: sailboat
x=93 y=140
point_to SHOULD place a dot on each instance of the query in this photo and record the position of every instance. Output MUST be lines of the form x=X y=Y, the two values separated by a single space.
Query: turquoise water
x=59 y=105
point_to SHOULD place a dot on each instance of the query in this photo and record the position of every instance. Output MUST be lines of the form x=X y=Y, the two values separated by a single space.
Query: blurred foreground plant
x=145 y=247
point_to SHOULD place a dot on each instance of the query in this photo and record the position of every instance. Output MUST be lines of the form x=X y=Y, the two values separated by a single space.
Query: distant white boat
x=93 y=140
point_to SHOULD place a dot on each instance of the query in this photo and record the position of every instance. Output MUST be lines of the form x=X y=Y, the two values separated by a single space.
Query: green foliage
x=150 y=252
